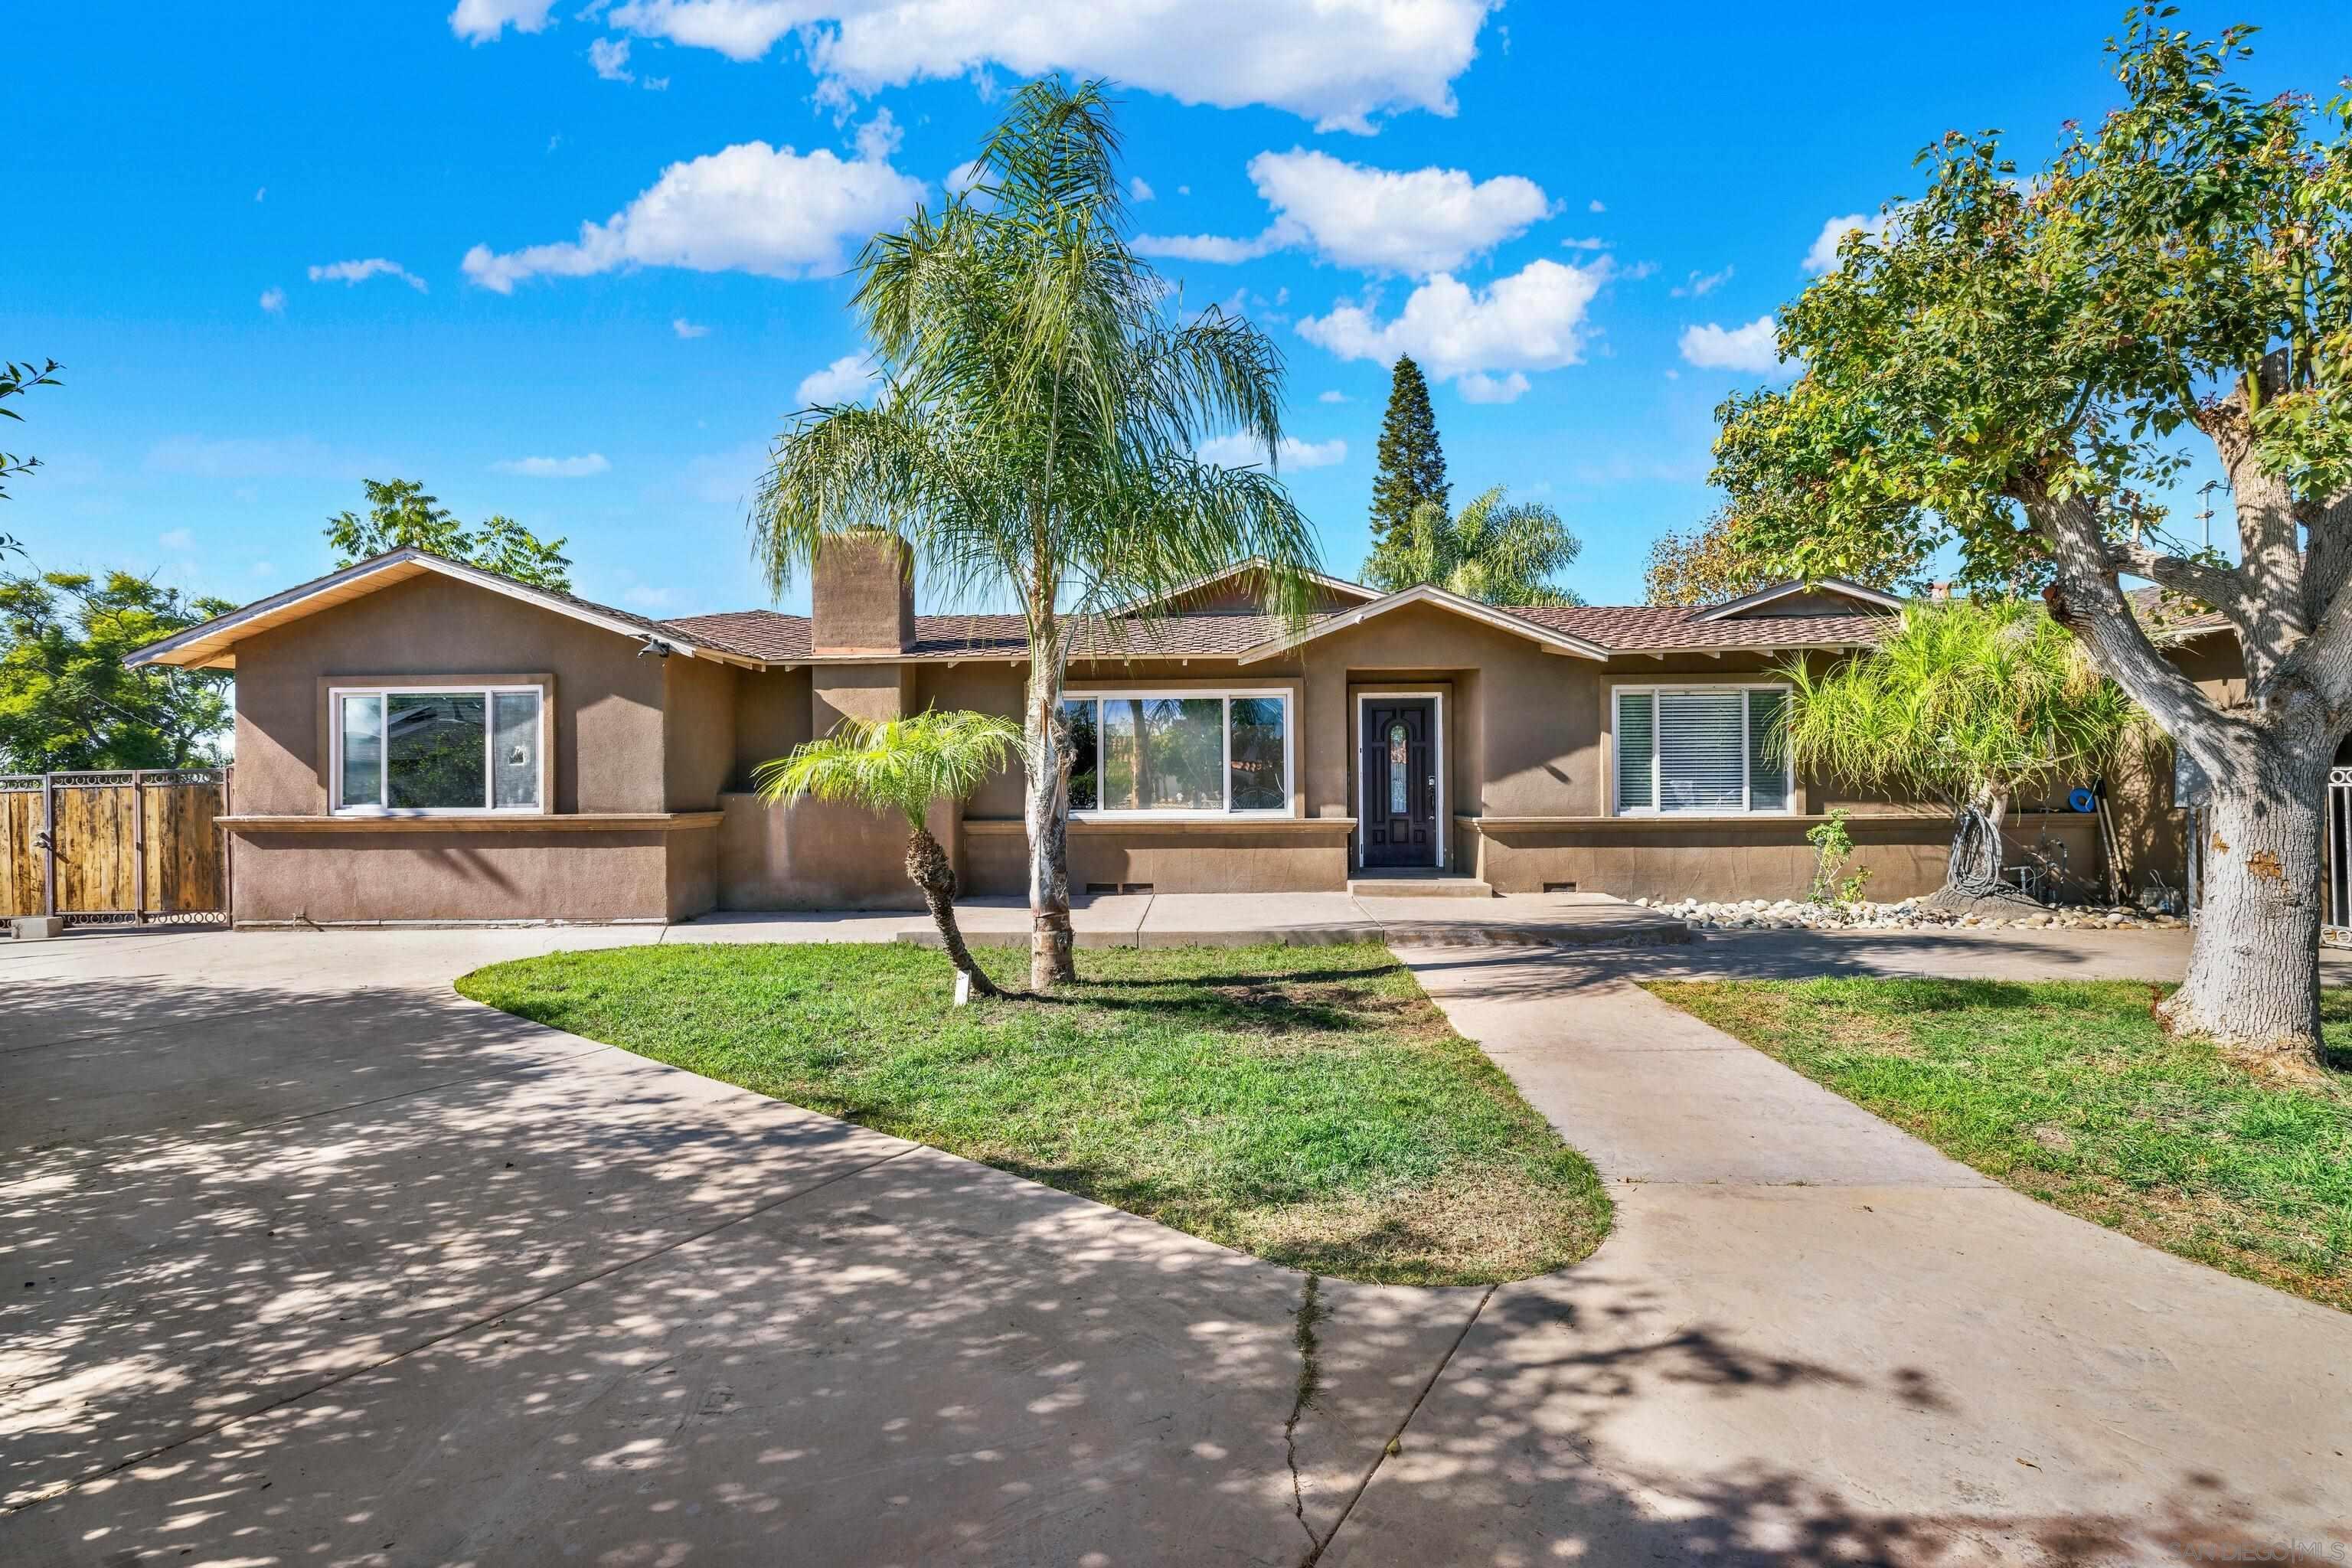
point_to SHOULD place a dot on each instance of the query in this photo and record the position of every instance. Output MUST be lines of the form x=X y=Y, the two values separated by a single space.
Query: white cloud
x=1417 y=222
x=1480 y=387
x=1139 y=188
x=656 y=84
x=261 y=194
x=1237 y=450
x=273 y=301
x=685 y=329
x=747 y=208
x=846 y=380
x=1594 y=205
x=611 y=58
x=586 y=466
x=481 y=21
x=1333 y=395
x=1823 y=256
x=1747 y=348
x=1340 y=63
x=1591 y=242
x=178 y=538
x=1701 y=284
x=1532 y=320
x=361 y=271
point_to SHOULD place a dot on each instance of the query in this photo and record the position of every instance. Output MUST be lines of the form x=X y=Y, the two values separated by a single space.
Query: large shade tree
x=2019 y=363
x=1967 y=703
x=1042 y=394
x=68 y=701
x=401 y=515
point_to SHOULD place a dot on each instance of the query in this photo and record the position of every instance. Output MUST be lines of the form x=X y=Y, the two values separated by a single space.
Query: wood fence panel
x=20 y=853
x=95 y=868
x=183 y=848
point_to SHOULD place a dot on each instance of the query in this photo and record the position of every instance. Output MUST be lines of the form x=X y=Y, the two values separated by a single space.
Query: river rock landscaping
x=1796 y=914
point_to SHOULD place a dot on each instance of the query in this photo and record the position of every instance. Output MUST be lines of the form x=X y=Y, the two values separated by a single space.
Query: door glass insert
x=1399 y=758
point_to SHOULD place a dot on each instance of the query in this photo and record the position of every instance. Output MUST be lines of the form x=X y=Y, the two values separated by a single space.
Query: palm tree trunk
x=929 y=868
x=1046 y=812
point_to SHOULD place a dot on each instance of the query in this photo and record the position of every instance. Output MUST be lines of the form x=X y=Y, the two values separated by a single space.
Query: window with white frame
x=1709 y=750
x=1179 y=752
x=438 y=748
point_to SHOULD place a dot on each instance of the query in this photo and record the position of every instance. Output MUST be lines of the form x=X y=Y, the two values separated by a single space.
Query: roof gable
x=1226 y=592
x=212 y=644
x=1548 y=637
x=1798 y=598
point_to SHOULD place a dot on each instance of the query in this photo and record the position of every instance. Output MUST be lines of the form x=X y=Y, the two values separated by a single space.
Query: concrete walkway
x=328 y=1264
x=1242 y=920
x=1812 y=1338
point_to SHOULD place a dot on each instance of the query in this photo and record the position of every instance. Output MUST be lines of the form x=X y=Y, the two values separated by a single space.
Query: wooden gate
x=136 y=845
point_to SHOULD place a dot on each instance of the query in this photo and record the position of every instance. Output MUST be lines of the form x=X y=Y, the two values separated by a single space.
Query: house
x=423 y=741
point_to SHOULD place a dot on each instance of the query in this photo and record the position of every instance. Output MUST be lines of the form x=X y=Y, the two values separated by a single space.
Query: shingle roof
x=2181 y=620
x=1633 y=628
x=1643 y=628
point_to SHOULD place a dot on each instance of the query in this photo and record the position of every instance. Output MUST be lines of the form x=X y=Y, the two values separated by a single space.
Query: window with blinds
x=1708 y=750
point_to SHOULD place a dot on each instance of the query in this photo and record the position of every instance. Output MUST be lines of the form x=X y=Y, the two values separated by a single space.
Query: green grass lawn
x=1308 y=1105
x=2071 y=1092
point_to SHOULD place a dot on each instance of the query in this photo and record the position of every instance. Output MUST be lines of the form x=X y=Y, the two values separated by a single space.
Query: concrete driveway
x=308 y=1260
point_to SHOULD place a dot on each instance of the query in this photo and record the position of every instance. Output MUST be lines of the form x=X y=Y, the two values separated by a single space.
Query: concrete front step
x=1419 y=887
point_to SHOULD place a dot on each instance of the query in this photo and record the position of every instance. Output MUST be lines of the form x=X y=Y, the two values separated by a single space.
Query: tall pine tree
x=1413 y=465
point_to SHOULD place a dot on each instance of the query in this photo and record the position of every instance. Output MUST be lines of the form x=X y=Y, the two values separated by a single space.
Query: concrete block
x=38 y=927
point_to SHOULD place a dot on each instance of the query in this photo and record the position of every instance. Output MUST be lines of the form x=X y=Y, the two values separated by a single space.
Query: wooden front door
x=1399 y=773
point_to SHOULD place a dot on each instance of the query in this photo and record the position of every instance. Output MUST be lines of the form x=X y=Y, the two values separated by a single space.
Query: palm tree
x=1043 y=396
x=1969 y=701
x=903 y=765
x=1491 y=550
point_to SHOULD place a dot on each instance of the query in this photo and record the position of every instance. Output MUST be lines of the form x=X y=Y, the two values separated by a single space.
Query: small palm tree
x=1491 y=550
x=1969 y=701
x=903 y=765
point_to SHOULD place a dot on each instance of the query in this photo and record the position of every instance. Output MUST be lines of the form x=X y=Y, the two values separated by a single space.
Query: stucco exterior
x=655 y=731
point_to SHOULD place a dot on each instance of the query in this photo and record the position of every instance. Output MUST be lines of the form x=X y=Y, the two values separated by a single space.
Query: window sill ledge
x=517 y=822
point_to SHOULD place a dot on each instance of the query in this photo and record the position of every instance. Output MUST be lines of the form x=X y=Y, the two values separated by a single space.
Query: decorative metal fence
x=136 y=845
x=2338 y=931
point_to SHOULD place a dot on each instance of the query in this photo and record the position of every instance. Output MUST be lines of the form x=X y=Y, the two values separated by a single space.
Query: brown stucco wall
x=364 y=876
x=1265 y=856
x=772 y=716
x=606 y=749
x=815 y=856
x=699 y=702
x=870 y=691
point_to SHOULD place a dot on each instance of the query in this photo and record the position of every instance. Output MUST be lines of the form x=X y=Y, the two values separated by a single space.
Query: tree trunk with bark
x=2253 y=972
x=929 y=868
x=1046 y=812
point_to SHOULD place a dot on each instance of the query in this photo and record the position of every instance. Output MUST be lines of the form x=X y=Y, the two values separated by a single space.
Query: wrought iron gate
x=2337 y=929
x=133 y=846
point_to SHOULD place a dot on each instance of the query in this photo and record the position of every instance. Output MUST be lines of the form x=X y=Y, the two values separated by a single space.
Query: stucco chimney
x=1939 y=593
x=862 y=595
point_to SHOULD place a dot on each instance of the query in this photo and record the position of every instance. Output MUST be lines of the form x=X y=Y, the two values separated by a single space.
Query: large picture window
x=1179 y=752
x=437 y=749
x=1704 y=750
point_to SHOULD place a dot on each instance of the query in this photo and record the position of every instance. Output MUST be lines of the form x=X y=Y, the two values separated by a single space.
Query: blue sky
x=282 y=246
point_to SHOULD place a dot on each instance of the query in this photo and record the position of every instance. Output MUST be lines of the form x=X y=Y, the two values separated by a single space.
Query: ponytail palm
x=903 y=765
x=1490 y=551
x=1042 y=399
x=1966 y=702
